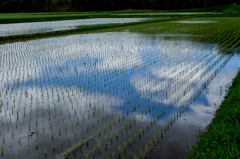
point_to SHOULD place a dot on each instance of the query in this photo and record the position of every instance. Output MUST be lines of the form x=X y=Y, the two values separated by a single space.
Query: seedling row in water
x=60 y=92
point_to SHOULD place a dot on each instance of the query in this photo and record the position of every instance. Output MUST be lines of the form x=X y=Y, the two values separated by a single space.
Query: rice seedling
x=119 y=152
x=99 y=130
x=105 y=139
x=74 y=147
x=150 y=143
x=140 y=153
x=66 y=151
x=99 y=144
x=161 y=132
x=125 y=144
x=130 y=141
x=86 y=156
x=146 y=147
x=113 y=154
x=93 y=150
x=117 y=133
x=111 y=137
x=154 y=139
x=45 y=150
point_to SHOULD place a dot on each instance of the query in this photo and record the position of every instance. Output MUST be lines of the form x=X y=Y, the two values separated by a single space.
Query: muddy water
x=57 y=91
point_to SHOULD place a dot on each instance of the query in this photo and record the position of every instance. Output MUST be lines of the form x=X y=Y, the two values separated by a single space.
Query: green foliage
x=232 y=9
x=35 y=4
x=10 y=6
x=206 y=9
x=107 y=5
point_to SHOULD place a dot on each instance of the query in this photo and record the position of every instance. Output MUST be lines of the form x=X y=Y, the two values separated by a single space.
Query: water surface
x=71 y=86
x=49 y=26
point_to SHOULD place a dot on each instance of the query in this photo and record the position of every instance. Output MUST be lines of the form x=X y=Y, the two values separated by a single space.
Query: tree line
x=106 y=5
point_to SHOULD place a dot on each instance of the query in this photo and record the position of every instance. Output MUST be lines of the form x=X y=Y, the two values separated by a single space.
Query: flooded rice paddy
x=42 y=27
x=108 y=95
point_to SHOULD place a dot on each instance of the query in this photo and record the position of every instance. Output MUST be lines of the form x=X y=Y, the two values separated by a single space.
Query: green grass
x=232 y=9
x=222 y=139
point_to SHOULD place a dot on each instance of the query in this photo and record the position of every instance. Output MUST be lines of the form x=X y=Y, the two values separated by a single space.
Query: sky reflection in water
x=116 y=70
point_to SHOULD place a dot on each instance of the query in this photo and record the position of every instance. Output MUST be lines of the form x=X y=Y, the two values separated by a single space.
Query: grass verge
x=222 y=139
